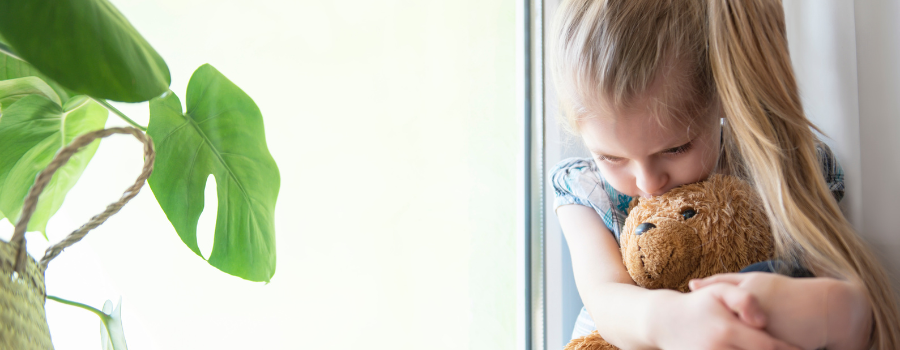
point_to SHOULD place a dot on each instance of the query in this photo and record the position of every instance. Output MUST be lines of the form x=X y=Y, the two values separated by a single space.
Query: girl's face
x=641 y=154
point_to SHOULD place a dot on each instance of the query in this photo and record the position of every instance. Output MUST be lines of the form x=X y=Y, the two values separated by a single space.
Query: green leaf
x=220 y=134
x=14 y=89
x=112 y=335
x=86 y=46
x=32 y=130
x=12 y=68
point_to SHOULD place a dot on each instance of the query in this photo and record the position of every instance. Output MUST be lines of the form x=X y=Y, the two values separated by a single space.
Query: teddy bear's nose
x=644 y=227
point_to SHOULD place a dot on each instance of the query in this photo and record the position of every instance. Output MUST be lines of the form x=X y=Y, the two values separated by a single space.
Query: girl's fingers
x=741 y=302
x=730 y=278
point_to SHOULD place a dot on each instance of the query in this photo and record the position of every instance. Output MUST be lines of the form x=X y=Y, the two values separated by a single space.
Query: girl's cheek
x=619 y=179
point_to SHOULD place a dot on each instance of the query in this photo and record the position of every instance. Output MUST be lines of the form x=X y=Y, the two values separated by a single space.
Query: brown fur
x=728 y=232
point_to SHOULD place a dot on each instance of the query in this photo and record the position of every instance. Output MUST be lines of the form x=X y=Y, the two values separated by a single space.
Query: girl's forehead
x=665 y=104
x=631 y=132
x=642 y=127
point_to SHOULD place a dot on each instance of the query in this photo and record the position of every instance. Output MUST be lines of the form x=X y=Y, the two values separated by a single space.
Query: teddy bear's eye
x=688 y=213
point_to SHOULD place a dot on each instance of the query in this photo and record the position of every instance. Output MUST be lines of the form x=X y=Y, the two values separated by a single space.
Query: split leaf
x=222 y=134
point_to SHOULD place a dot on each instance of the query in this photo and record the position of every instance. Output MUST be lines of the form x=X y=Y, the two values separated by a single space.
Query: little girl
x=665 y=93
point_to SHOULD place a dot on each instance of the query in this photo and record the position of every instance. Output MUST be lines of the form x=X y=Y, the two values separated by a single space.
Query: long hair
x=736 y=54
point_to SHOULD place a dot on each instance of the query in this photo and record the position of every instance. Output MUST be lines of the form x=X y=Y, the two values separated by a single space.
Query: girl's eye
x=609 y=159
x=680 y=149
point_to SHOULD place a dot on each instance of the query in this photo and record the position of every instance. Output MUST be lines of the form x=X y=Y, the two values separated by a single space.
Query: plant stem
x=120 y=114
x=76 y=304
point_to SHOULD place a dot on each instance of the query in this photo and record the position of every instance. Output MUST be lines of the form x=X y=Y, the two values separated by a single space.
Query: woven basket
x=23 y=322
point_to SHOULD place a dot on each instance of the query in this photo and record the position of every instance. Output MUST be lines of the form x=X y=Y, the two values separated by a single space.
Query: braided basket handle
x=44 y=178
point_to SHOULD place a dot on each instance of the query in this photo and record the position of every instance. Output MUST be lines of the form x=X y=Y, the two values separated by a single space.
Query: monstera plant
x=60 y=64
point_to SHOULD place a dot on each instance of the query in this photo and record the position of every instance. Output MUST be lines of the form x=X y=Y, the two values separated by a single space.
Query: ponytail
x=768 y=139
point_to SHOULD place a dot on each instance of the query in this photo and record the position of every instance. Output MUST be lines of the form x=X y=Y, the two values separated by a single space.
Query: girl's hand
x=809 y=312
x=721 y=316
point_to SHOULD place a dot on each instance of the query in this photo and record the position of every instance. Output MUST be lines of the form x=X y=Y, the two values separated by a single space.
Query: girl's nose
x=651 y=182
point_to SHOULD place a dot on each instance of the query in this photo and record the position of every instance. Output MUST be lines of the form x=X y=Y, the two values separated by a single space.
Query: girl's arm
x=810 y=312
x=635 y=318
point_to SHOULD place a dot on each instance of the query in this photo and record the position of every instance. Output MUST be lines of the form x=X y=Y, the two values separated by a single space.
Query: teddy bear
x=693 y=231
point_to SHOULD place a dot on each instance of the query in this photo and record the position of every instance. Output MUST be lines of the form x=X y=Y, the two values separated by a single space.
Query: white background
x=393 y=125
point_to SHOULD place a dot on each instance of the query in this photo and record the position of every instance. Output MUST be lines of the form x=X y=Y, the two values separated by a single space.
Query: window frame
x=548 y=301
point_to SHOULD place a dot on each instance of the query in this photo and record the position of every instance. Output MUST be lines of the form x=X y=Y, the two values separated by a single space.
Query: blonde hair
x=736 y=54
